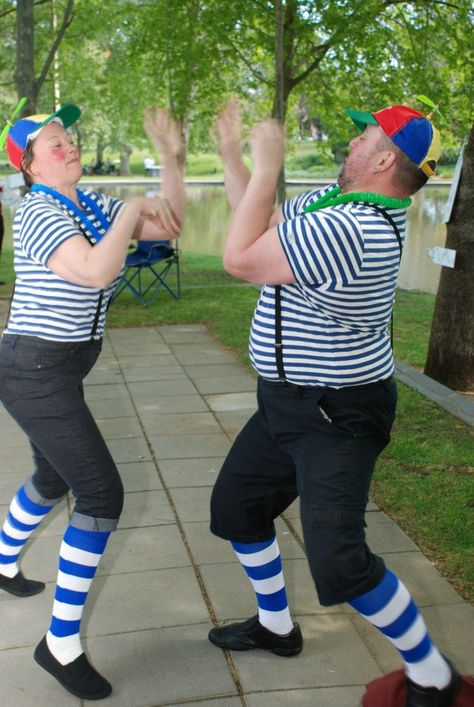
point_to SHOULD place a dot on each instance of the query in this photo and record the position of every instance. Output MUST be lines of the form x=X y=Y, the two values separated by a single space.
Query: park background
x=304 y=63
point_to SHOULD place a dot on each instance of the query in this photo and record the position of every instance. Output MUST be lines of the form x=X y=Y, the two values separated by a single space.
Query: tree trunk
x=25 y=55
x=451 y=349
x=124 y=169
x=284 y=39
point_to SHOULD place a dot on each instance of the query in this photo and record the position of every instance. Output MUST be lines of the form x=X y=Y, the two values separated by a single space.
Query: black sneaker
x=251 y=634
x=79 y=678
x=19 y=586
x=418 y=696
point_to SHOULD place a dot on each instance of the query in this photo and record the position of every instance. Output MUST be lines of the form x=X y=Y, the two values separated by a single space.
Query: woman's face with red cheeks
x=56 y=158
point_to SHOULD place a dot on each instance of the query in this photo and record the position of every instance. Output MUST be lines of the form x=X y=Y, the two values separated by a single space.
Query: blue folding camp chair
x=149 y=269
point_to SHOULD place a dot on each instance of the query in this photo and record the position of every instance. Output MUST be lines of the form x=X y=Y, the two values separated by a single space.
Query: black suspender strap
x=97 y=315
x=101 y=293
x=278 y=335
x=400 y=247
x=392 y=223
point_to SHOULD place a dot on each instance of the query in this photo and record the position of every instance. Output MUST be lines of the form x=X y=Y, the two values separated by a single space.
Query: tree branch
x=66 y=21
x=248 y=64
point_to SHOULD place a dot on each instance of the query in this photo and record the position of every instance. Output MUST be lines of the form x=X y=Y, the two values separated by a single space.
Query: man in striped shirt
x=320 y=344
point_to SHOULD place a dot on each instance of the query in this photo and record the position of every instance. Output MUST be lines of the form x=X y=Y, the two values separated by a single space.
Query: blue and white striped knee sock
x=390 y=607
x=262 y=563
x=24 y=516
x=79 y=557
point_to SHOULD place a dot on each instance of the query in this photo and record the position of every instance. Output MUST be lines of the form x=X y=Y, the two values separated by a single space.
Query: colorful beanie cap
x=410 y=130
x=28 y=128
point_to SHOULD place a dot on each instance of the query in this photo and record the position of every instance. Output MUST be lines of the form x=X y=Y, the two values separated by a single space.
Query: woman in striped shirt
x=69 y=249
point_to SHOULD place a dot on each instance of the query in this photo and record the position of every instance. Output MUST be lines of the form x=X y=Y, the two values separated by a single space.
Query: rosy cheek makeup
x=58 y=153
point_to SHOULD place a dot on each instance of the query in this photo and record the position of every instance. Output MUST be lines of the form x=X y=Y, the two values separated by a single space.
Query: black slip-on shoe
x=251 y=634
x=79 y=678
x=19 y=586
x=418 y=696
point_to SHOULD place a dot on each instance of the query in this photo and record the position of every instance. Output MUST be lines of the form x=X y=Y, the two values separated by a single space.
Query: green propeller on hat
x=9 y=123
x=434 y=106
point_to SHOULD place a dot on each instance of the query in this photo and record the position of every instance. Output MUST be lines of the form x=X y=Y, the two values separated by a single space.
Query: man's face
x=360 y=159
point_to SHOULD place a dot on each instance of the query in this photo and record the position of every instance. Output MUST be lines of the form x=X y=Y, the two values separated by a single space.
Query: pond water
x=208 y=215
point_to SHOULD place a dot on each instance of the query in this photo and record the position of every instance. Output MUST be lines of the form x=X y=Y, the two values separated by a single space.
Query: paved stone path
x=169 y=401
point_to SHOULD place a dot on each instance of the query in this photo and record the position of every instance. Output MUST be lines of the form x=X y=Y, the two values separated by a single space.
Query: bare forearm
x=251 y=217
x=173 y=187
x=236 y=177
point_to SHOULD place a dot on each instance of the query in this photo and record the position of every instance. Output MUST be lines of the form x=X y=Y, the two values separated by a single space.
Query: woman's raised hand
x=158 y=211
x=163 y=132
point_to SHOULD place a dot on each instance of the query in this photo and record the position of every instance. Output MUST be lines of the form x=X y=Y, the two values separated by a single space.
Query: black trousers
x=41 y=387
x=320 y=444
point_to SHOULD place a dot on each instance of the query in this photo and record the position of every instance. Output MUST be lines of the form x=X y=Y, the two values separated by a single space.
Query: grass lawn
x=424 y=479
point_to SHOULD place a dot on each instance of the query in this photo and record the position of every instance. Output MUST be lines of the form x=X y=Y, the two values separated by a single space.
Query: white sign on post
x=442 y=256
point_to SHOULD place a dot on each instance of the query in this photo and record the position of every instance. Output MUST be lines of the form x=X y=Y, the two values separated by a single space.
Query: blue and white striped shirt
x=44 y=304
x=345 y=260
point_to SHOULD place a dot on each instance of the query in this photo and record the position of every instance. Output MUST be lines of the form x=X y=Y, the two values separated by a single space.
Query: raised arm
x=253 y=250
x=166 y=137
x=236 y=174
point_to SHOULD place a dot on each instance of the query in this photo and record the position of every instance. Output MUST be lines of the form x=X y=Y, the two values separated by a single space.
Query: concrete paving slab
x=192 y=504
x=233 y=422
x=149 y=406
x=10 y=483
x=158 y=389
x=215 y=371
x=112 y=407
x=119 y=427
x=148 y=362
x=144 y=508
x=201 y=353
x=162 y=667
x=144 y=549
x=139 y=476
x=229 y=402
x=192 y=423
x=132 y=449
x=145 y=600
x=39 y=560
x=319 y=697
x=171 y=371
x=24 y=621
x=225 y=384
x=189 y=446
x=25 y=684
x=17 y=459
x=190 y=472
x=107 y=391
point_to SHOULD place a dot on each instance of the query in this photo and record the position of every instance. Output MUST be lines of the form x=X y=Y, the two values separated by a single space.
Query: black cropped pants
x=41 y=386
x=320 y=444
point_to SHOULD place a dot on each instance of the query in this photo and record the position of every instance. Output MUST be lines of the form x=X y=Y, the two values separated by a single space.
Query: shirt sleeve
x=44 y=227
x=295 y=206
x=324 y=248
x=110 y=205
